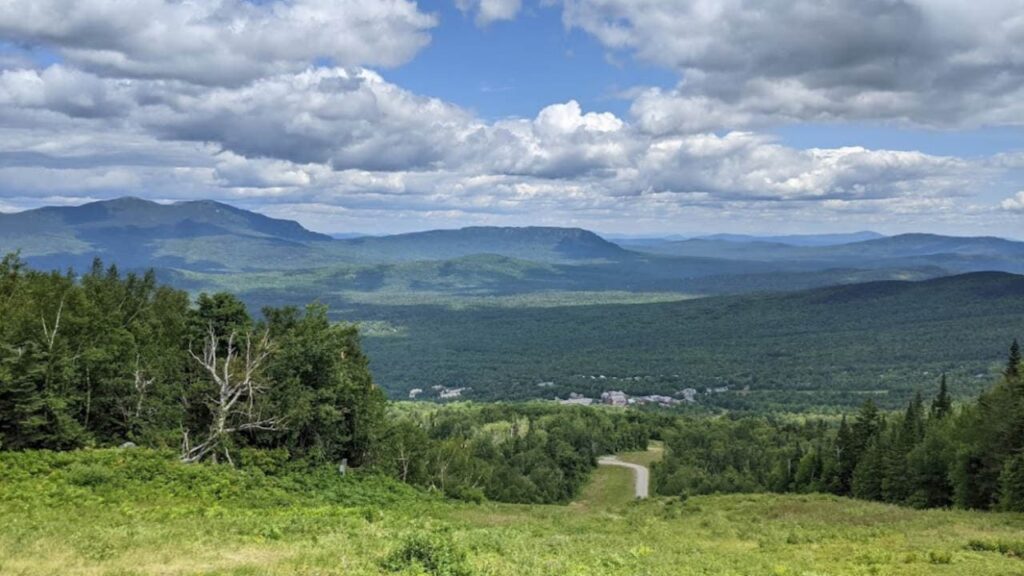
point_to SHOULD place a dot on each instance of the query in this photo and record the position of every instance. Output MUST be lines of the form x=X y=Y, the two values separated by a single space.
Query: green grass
x=609 y=487
x=140 y=513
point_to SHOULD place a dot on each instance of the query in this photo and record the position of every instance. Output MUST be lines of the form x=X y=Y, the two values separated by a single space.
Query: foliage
x=153 y=515
x=973 y=458
x=105 y=358
x=826 y=348
x=530 y=453
x=430 y=553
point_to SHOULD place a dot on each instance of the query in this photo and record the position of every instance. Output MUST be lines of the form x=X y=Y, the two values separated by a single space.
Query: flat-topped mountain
x=545 y=244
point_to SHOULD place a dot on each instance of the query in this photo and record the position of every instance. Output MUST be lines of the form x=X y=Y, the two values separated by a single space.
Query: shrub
x=433 y=553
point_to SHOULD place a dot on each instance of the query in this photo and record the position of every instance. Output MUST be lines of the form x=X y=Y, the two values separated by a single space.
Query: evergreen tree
x=846 y=459
x=1013 y=364
x=942 y=404
x=869 y=475
x=1011 y=484
x=928 y=467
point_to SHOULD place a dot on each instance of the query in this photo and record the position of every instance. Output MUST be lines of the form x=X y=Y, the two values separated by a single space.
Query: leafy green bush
x=1012 y=549
x=430 y=552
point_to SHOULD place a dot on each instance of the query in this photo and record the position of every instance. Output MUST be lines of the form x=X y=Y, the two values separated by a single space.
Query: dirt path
x=641 y=474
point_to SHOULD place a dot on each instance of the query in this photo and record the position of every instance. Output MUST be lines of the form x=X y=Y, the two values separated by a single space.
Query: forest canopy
x=107 y=358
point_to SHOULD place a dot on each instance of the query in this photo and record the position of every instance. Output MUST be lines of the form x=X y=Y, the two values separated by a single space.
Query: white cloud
x=348 y=137
x=488 y=11
x=218 y=42
x=1014 y=203
x=925 y=62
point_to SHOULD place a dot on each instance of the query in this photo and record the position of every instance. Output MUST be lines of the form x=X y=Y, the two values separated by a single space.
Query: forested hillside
x=823 y=347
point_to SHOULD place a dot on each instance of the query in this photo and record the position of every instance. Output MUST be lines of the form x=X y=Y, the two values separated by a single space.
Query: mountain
x=207 y=236
x=204 y=245
x=139 y=233
x=800 y=239
x=953 y=253
x=543 y=244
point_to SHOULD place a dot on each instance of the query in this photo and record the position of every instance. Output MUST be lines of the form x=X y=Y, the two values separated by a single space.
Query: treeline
x=107 y=358
x=931 y=455
x=528 y=453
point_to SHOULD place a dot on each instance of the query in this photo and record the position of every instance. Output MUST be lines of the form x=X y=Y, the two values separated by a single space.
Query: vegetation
x=106 y=358
x=930 y=456
x=530 y=453
x=813 y=350
x=139 y=512
x=118 y=359
x=244 y=423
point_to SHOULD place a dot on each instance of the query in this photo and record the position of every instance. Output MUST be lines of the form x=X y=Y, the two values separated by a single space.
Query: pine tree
x=846 y=459
x=870 y=472
x=942 y=404
x=897 y=485
x=1013 y=364
x=1011 y=484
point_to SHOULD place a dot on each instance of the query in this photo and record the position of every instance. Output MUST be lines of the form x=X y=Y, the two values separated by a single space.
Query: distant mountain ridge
x=800 y=239
x=215 y=237
x=133 y=232
x=957 y=254
x=187 y=239
x=190 y=218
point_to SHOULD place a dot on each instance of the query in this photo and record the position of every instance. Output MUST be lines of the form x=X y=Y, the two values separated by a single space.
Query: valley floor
x=65 y=518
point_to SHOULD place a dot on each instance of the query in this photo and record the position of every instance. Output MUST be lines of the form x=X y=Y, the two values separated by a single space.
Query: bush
x=1011 y=549
x=433 y=553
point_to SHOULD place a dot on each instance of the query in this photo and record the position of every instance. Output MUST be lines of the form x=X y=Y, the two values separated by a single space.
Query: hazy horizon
x=610 y=235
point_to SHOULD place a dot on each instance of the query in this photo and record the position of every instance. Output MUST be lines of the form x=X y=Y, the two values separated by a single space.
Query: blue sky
x=625 y=116
x=515 y=68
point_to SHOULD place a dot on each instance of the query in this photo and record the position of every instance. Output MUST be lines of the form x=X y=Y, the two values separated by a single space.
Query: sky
x=639 y=117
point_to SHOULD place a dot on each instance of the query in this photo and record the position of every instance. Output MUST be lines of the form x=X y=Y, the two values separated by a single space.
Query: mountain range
x=201 y=244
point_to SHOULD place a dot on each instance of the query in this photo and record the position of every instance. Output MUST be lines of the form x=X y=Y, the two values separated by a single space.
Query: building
x=575 y=399
x=615 y=398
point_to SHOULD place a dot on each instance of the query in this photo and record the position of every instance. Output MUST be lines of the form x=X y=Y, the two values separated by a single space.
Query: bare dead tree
x=234 y=405
x=131 y=406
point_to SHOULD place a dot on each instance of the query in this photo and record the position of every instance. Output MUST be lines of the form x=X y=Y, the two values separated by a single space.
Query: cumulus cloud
x=64 y=90
x=1014 y=203
x=347 y=118
x=346 y=135
x=488 y=11
x=218 y=42
x=927 y=62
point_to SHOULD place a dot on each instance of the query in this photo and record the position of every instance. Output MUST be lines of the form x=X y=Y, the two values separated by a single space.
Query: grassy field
x=140 y=513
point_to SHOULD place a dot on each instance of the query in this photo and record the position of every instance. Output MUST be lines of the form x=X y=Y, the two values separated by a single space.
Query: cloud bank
x=286 y=106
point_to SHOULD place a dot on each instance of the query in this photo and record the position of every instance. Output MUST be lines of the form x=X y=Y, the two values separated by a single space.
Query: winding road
x=641 y=474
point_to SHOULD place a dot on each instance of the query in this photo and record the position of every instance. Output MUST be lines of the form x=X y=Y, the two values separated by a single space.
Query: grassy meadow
x=139 y=512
